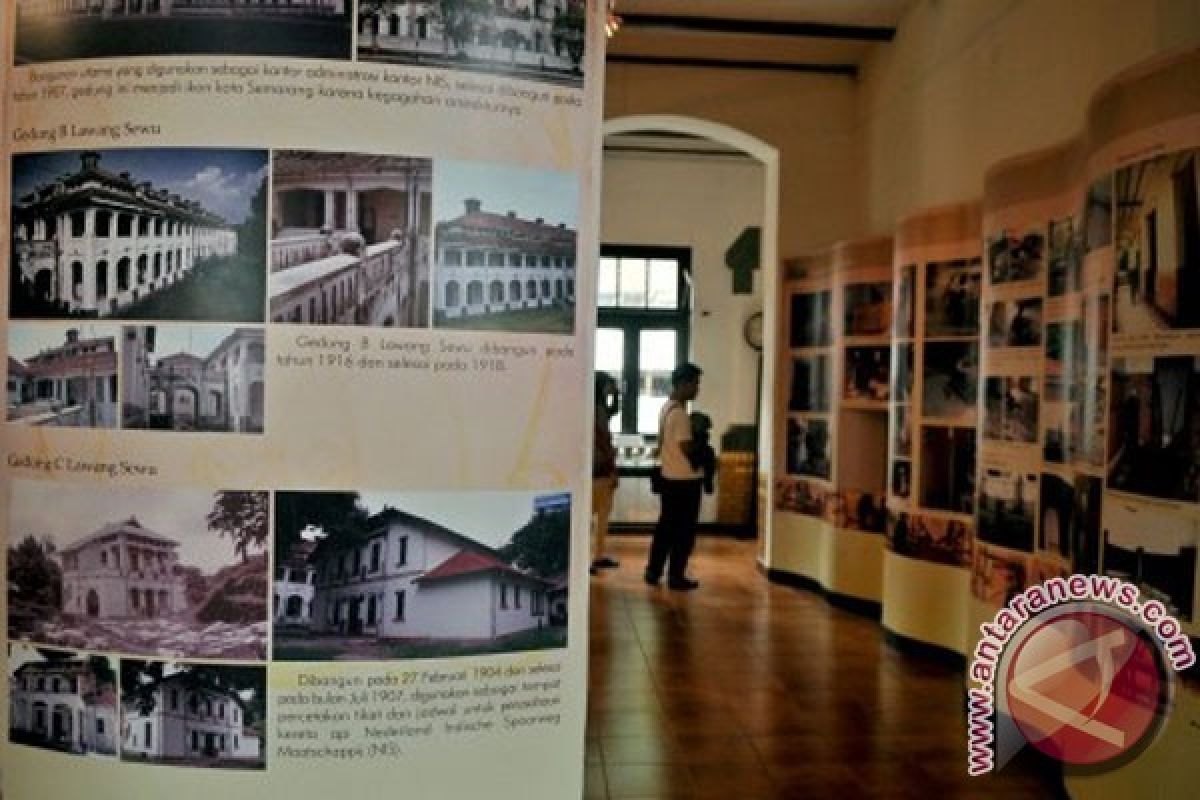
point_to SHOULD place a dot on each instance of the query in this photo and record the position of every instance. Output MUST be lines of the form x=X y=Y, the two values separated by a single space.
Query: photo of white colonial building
x=62 y=377
x=507 y=262
x=350 y=239
x=63 y=701
x=209 y=379
x=94 y=242
x=122 y=570
x=536 y=39
x=100 y=28
x=141 y=571
x=192 y=715
x=407 y=585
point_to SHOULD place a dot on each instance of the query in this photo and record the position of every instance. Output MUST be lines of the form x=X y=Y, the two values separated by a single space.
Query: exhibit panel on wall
x=937 y=284
x=830 y=489
x=1107 y=483
x=297 y=296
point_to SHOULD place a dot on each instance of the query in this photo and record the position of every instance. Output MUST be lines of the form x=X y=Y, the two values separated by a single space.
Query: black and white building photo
x=62 y=375
x=193 y=378
x=167 y=234
x=138 y=571
x=62 y=700
x=539 y=40
x=59 y=30
x=350 y=239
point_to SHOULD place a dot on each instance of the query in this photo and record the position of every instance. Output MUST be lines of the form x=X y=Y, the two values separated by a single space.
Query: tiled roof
x=130 y=526
x=466 y=562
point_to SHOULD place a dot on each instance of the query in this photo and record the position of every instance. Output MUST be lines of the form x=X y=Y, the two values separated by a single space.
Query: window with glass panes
x=643 y=299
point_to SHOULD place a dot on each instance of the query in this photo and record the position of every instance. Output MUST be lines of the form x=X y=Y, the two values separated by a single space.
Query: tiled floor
x=747 y=690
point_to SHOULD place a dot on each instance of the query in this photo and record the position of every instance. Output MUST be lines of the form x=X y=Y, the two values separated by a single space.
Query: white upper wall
x=968 y=83
x=704 y=203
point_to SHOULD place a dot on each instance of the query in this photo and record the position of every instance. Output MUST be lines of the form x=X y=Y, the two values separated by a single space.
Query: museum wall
x=968 y=83
x=810 y=119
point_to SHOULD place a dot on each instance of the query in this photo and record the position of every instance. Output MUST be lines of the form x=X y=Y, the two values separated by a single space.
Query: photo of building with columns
x=53 y=30
x=208 y=378
x=138 y=570
x=63 y=377
x=505 y=248
x=62 y=700
x=350 y=239
x=535 y=39
x=98 y=234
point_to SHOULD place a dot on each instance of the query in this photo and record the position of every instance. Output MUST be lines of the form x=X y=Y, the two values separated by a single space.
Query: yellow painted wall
x=967 y=83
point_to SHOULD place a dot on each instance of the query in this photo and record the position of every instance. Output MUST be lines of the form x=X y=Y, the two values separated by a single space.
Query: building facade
x=116 y=9
x=94 y=242
x=412 y=578
x=517 y=35
x=72 y=385
x=350 y=239
x=221 y=391
x=489 y=263
x=61 y=704
x=294 y=588
x=124 y=570
x=189 y=722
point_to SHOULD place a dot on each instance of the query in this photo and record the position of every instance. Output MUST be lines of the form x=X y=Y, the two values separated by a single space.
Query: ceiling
x=824 y=36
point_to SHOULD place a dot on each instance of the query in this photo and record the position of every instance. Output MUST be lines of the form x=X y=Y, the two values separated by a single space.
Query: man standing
x=682 y=484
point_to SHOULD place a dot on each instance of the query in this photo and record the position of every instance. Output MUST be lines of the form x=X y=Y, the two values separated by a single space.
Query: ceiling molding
x=759 y=27
x=840 y=70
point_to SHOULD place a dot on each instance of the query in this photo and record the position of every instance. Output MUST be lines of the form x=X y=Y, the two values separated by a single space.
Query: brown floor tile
x=748 y=690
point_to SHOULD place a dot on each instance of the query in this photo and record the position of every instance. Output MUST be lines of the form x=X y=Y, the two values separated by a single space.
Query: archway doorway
x=639 y=151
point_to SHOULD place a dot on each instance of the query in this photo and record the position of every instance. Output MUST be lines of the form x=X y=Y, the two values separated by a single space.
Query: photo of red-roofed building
x=62 y=377
x=395 y=583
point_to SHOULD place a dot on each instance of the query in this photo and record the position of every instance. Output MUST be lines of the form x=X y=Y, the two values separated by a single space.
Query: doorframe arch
x=768 y=156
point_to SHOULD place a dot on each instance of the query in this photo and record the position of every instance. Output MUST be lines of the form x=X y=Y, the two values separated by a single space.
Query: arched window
x=496 y=292
x=474 y=293
x=514 y=291
x=123 y=274
x=452 y=295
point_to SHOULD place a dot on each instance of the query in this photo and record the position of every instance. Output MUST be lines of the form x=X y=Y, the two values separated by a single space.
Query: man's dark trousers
x=675 y=534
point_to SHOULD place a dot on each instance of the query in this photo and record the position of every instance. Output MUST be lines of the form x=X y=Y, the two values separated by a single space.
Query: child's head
x=701 y=422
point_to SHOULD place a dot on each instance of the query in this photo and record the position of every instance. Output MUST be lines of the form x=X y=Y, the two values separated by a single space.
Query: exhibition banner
x=298 y=326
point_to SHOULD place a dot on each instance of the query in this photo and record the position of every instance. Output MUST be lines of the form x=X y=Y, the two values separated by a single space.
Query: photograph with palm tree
x=138 y=570
x=540 y=40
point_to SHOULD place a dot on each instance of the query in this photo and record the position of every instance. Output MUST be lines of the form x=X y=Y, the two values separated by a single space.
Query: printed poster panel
x=295 y=467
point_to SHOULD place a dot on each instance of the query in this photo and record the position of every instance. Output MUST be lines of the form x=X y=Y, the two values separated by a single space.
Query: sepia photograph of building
x=137 y=570
x=540 y=40
x=505 y=245
x=1158 y=244
x=193 y=378
x=59 y=30
x=418 y=575
x=63 y=375
x=350 y=239
x=136 y=234
x=193 y=715
x=62 y=700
